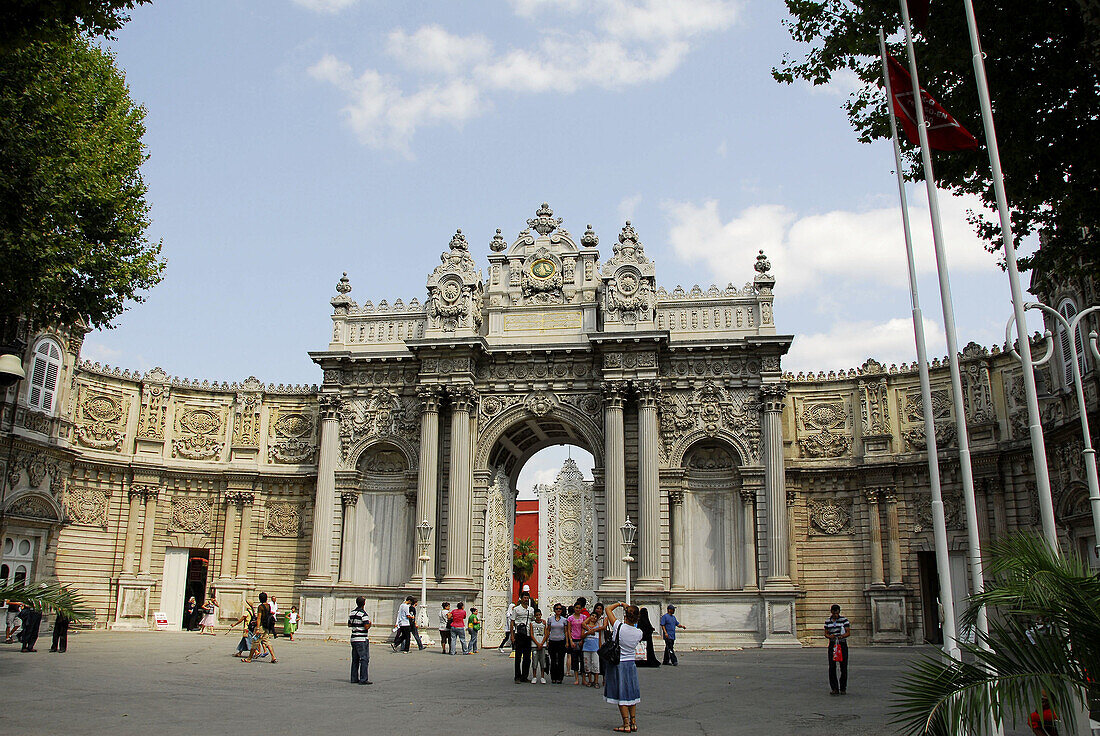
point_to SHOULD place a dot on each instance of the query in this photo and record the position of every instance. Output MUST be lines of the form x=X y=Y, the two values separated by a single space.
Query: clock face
x=542 y=268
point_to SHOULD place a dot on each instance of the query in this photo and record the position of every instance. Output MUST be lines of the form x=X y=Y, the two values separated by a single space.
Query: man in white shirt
x=403 y=629
x=507 y=628
x=522 y=616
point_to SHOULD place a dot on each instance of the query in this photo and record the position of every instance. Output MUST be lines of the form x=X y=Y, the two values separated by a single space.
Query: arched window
x=1068 y=309
x=44 y=375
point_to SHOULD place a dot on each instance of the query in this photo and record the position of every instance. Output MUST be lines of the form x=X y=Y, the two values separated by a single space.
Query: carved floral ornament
x=941 y=414
x=455 y=289
x=823 y=428
x=87 y=506
x=199 y=433
x=382 y=413
x=284 y=519
x=190 y=514
x=712 y=409
x=101 y=421
x=829 y=516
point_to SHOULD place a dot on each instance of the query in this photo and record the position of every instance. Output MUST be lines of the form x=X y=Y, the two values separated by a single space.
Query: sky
x=292 y=140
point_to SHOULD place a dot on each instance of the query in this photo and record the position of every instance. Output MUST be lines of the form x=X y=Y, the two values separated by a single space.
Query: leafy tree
x=1043 y=64
x=23 y=21
x=73 y=212
x=46 y=597
x=1045 y=642
x=524 y=557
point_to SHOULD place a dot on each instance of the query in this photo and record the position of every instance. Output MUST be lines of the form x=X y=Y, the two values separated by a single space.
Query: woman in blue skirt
x=621 y=681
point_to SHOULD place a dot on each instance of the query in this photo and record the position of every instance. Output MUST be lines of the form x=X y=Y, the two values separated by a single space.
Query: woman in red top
x=458 y=627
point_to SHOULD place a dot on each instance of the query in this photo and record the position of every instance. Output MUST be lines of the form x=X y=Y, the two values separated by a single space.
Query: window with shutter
x=1068 y=309
x=44 y=375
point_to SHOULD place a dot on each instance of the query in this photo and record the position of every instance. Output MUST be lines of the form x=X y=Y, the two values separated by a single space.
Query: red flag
x=918 y=12
x=944 y=132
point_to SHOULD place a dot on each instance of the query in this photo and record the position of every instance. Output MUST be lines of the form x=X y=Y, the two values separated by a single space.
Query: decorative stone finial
x=497 y=244
x=628 y=236
x=458 y=241
x=344 y=285
x=763 y=265
x=590 y=239
x=544 y=221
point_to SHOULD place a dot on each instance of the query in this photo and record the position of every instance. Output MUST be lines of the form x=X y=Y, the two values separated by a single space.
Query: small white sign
x=160 y=620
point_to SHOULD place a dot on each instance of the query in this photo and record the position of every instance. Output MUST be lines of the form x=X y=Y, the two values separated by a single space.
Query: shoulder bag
x=609 y=651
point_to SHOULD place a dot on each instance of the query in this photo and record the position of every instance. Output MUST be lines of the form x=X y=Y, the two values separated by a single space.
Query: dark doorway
x=929 y=593
x=198 y=562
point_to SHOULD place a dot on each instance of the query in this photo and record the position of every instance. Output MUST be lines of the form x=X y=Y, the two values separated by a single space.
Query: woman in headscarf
x=647 y=636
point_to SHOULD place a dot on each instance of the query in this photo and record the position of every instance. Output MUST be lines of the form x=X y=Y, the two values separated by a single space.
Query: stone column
x=676 y=525
x=792 y=544
x=771 y=399
x=246 y=501
x=748 y=538
x=458 y=518
x=226 y=567
x=129 y=553
x=876 y=537
x=148 y=532
x=427 y=482
x=615 y=476
x=350 y=502
x=893 y=536
x=649 y=486
x=324 y=505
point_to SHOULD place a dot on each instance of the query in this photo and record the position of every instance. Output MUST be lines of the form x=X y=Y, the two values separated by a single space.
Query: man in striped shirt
x=837 y=629
x=359 y=623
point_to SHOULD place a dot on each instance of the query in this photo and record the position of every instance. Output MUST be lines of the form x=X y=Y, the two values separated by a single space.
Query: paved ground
x=183 y=683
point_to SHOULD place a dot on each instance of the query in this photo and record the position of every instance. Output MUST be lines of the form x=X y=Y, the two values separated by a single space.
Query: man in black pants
x=522 y=615
x=28 y=635
x=60 y=633
x=837 y=629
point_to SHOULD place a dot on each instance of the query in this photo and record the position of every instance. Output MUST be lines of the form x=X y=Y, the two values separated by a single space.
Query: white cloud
x=628 y=205
x=636 y=42
x=385 y=117
x=843 y=83
x=849 y=343
x=433 y=49
x=326 y=6
x=840 y=247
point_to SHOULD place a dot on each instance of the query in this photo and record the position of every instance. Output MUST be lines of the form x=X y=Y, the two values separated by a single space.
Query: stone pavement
x=184 y=683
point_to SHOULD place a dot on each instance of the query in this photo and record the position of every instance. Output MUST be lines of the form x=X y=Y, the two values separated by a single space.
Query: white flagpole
x=939 y=522
x=977 y=578
x=1038 y=445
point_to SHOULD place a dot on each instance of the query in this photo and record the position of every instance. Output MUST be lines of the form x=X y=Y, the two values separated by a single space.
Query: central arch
x=505 y=444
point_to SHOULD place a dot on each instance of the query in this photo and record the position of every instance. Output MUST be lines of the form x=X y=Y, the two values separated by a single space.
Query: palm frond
x=47 y=596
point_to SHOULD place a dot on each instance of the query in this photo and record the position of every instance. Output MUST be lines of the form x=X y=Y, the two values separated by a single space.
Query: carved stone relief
x=246 y=419
x=284 y=519
x=87 y=506
x=190 y=514
x=913 y=415
x=100 y=421
x=830 y=517
x=154 y=409
x=455 y=290
x=711 y=408
x=568 y=513
x=977 y=393
x=199 y=433
x=498 y=551
x=873 y=407
x=824 y=427
x=381 y=414
x=32 y=506
x=291 y=433
x=952 y=511
x=629 y=281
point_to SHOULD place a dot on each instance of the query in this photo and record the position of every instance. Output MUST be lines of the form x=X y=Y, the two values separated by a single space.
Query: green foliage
x=524 y=558
x=1045 y=640
x=46 y=597
x=73 y=213
x=24 y=21
x=1043 y=64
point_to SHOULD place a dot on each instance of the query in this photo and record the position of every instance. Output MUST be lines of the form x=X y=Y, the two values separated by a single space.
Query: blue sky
x=291 y=140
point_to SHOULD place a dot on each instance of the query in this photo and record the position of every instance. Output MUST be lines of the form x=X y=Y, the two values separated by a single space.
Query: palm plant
x=46 y=596
x=524 y=558
x=1045 y=642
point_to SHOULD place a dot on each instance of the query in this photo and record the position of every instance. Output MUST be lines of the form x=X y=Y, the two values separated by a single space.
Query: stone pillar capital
x=143 y=492
x=748 y=495
x=676 y=498
x=772 y=395
x=462 y=397
x=614 y=394
x=890 y=495
x=792 y=497
x=873 y=495
x=429 y=396
x=648 y=391
x=349 y=498
x=330 y=406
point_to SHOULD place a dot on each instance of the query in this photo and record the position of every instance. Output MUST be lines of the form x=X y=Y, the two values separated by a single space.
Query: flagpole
x=1038 y=445
x=939 y=521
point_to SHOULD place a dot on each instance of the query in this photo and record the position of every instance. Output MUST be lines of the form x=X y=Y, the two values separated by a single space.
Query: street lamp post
x=423 y=536
x=628 y=530
x=1090 y=454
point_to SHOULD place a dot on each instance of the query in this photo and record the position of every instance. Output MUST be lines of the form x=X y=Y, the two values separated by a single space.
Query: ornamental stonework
x=86 y=506
x=712 y=409
x=284 y=519
x=913 y=419
x=830 y=517
x=824 y=426
x=190 y=514
x=246 y=416
x=154 y=407
x=290 y=437
x=100 y=422
x=199 y=433
x=382 y=413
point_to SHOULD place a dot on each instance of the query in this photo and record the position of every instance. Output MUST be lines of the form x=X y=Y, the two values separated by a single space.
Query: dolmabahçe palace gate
x=760 y=498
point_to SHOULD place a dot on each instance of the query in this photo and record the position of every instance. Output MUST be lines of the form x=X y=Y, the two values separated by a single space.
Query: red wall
x=527 y=527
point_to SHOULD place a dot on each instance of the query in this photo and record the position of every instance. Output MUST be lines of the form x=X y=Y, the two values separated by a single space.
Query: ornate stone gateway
x=428 y=411
x=567 y=537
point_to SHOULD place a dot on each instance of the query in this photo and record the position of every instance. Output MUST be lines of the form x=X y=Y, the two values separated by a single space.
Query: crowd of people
x=260 y=627
x=23 y=623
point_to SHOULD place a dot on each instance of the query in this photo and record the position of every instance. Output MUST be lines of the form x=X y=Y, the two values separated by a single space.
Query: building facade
x=760 y=497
